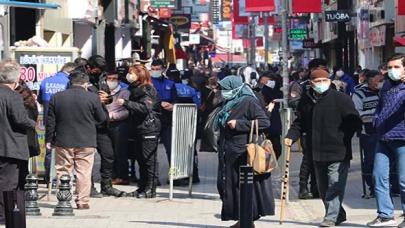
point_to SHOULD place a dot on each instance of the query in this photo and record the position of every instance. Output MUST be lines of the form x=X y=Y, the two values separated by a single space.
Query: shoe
x=402 y=224
x=83 y=206
x=382 y=222
x=340 y=221
x=304 y=193
x=236 y=225
x=149 y=194
x=119 y=181
x=327 y=223
x=95 y=194
x=108 y=190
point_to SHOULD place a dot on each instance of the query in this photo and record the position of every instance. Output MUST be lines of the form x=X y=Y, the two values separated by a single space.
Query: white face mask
x=322 y=87
x=271 y=84
x=112 y=84
x=395 y=74
x=155 y=73
x=131 y=78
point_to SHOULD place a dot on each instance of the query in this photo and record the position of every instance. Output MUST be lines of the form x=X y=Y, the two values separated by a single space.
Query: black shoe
x=147 y=194
x=110 y=191
x=304 y=194
x=327 y=223
x=340 y=221
x=95 y=194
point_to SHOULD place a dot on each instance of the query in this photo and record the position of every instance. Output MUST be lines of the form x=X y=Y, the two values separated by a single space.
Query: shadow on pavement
x=195 y=195
x=177 y=224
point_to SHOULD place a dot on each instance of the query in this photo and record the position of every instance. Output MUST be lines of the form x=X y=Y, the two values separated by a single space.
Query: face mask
x=339 y=73
x=271 y=84
x=156 y=73
x=394 y=74
x=229 y=94
x=130 y=78
x=112 y=84
x=321 y=87
x=380 y=85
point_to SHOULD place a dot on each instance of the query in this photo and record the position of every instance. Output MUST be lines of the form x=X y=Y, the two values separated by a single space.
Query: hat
x=319 y=73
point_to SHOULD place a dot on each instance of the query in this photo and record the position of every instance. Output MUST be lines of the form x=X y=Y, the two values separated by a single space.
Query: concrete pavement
x=203 y=208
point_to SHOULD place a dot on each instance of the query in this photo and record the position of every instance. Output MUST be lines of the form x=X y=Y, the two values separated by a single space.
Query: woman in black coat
x=144 y=109
x=239 y=109
x=32 y=137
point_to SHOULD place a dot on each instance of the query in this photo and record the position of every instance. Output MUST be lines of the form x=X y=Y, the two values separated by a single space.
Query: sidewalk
x=203 y=208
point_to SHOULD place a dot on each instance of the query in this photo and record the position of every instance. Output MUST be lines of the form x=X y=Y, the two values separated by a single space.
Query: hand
x=104 y=97
x=232 y=124
x=403 y=78
x=120 y=101
x=167 y=106
x=48 y=146
x=270 y=107
x=288 y=142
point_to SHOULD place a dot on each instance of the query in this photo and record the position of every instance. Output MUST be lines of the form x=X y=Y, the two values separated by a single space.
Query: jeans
x=387 y=153
x=331 y=178
x=368 y=144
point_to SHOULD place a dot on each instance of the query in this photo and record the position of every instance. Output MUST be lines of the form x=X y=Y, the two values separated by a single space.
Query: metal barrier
x=184 y=130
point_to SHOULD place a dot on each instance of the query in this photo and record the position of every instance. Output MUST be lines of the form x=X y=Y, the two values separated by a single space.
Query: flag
x=307 y=6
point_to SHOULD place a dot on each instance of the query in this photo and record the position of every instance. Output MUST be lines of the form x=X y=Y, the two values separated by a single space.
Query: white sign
x=40 y=59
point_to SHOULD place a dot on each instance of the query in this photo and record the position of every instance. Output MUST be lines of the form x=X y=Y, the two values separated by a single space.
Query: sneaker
x=402 y=224
x=382 y=222
x=327 y=223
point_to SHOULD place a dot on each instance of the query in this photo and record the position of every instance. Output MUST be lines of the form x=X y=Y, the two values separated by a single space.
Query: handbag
x=260 y=155
x=210 y=134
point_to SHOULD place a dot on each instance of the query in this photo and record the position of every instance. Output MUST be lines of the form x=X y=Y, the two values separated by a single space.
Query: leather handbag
x=260 y=154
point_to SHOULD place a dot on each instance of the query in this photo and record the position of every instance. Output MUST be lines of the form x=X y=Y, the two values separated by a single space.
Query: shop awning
x=229 y=58
x=31 y=5
x=399 y=41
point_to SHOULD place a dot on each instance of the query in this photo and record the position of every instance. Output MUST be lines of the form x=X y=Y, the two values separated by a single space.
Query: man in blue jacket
x=390 y=127
x=48 y=88
x=342 y=76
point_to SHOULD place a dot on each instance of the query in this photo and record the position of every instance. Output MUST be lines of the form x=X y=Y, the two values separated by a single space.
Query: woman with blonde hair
x=144 y=109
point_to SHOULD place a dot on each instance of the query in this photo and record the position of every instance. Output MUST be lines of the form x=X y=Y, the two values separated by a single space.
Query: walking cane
x=284 y=188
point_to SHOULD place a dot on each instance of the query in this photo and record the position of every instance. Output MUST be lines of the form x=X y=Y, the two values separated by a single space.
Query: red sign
x=307 y=6
x=237 y=19
x=260 y=6
x=401 y=7
x=165 y=12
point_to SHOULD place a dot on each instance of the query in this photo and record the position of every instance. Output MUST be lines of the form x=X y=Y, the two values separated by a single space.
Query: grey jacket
x=14 y=123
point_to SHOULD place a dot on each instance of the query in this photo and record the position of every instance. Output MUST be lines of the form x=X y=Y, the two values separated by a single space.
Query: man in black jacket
x=73 y=132
x=14 y=124
x=95 y=68
x=329 y=120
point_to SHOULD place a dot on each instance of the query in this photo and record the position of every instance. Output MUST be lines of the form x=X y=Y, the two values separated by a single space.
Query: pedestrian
x=144 y=108
x=271 y=91
x=14 y=123
x=118 y=129
x=365 y=99
x=72 y=131
x=240 y=107
x=96 y=70
x=49 y=87
x=31 y=107
x=329 y=119
x=390 y=127
x=344 y=82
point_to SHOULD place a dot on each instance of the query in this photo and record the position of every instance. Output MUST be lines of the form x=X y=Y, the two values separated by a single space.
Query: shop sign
x=181 y=21
x=163 y=3
x=337 y=16
x=297 y=34
x=226 y=10
x=309 y=43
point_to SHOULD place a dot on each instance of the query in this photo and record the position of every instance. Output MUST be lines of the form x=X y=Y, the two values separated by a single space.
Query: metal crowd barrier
x=183 y=142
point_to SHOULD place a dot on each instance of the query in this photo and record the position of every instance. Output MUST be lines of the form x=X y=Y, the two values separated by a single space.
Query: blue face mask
x=321 y=87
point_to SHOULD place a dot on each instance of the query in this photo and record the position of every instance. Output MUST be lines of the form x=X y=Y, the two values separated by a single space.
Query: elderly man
x=71 y=128
x=329 y=119
x=14 y=123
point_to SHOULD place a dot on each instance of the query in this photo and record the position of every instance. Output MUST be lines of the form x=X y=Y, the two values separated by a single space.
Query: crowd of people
x=123 y=114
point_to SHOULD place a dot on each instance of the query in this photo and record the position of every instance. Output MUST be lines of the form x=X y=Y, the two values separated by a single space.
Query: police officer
x=48 y=88
x=182 y=93
x=95 y=68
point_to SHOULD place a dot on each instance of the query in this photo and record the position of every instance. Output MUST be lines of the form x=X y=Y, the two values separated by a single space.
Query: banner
x=306 y=6
x=260 y=6
x=401 y=7
x=226 y=10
